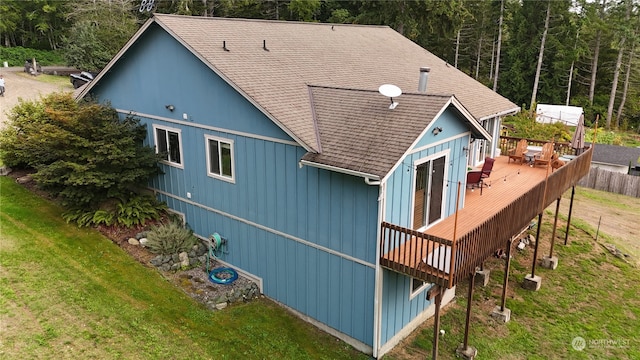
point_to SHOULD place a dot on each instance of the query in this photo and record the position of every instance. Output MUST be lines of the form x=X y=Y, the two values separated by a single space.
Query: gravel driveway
x=20 y=85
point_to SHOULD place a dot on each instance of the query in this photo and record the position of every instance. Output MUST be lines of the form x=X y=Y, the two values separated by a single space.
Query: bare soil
x=20 y=85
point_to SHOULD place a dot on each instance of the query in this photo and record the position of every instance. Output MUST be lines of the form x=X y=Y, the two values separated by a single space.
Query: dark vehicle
x=80 y=79
x=28 y=67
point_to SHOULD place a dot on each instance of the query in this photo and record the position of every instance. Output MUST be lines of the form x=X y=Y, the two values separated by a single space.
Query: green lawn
x=592 y=295
x=62 y=81
x=71 y=293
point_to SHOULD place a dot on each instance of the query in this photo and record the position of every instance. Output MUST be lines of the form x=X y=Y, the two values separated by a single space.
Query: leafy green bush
x=16 y=56
x=83 y=152
x=526 y=126
x=170 y=238
x=134 y=210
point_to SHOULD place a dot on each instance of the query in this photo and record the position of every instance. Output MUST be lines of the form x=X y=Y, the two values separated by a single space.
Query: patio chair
x=474 y=179
x=487 y=167
x=477 y=178
x=517 y=154
x=544 y=158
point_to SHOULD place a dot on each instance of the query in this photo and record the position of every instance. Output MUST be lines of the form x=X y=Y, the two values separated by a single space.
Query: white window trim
x=155 y=143
x=232 y=178
x=446 y=154
x=420 y=289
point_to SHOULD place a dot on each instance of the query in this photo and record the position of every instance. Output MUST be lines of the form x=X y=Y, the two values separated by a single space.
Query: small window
x=169 y=145
x=220 y=158
x=417 y=286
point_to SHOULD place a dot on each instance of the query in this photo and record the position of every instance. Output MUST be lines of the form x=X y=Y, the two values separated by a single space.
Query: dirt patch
x=20 y=85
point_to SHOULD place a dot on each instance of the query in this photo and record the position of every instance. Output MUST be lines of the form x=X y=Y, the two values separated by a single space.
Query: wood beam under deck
x=517 y=194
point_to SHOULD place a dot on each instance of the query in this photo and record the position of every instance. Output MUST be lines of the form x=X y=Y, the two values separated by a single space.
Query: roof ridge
x=290 y=22
x=376 y=91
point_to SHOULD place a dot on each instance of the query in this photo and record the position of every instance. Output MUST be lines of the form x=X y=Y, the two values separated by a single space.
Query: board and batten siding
x=399 y=308
x=308 y=233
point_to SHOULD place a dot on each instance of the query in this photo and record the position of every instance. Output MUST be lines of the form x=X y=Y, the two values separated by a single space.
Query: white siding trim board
x=205 y=127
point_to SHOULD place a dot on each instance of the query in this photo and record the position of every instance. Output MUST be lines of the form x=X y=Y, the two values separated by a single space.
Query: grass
x=69 y=293
x=62 y=81
x=592 y=295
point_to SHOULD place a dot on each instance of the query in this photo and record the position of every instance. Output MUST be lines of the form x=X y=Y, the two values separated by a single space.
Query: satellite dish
x=390 y=91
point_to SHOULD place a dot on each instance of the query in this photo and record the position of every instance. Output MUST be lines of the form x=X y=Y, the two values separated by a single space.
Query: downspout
x=368 y=181
x=377 y=298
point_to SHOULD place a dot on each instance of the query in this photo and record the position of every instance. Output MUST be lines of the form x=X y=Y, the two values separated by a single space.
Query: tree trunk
x=616 y=72
x=493 y=58
x=540 y=56
x=478 y=56
x=625 y=88
x=497 y=68
x=455 y=60
x=596 y=55
x=569 y=85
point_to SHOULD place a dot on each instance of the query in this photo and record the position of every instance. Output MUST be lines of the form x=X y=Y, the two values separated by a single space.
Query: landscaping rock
x=184 y=259
x=24 y=179
x=4 y=171
x=157 y=261
x=144 y=241
x=133 y=241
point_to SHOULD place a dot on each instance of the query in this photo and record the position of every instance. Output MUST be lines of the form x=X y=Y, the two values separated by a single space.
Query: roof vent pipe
x=424 y=75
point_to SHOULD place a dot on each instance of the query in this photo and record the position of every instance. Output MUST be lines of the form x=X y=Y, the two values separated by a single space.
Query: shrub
x=83 y=152
x=16 y=56
x=127 y=212
x=170 y=238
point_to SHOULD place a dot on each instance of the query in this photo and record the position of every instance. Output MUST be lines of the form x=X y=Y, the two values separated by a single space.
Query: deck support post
x=501 y=312
x=551 y=262
x=566 y=233
x=464 y=350
x=531 y=281
x=436 y=292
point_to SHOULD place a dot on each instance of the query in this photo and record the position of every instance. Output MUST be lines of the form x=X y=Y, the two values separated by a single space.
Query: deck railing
x=446 y=262
x=508 y=143
x=416 y=254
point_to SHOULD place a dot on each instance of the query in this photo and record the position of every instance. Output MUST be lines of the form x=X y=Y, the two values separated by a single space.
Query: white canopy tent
x=549 y=114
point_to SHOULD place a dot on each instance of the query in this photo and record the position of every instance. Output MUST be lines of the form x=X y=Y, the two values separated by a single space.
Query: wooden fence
x=613 y=182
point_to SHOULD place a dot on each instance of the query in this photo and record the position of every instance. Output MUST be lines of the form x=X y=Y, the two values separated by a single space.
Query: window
x=417 y=286
x=220 y=158
x=169 y=144
x=429 y=197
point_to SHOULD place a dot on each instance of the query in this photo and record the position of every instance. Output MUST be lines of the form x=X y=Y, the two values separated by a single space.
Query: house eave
x=370 y=179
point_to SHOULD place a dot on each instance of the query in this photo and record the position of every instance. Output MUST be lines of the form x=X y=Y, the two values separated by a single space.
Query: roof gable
x=272 y=62
x=360 y=134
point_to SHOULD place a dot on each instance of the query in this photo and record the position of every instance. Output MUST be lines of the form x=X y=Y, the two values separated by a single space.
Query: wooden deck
x=513 y=195
x=508 y=182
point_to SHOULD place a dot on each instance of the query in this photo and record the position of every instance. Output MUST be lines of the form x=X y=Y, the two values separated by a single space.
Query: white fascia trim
x=470 y=118
x=502 y=113
x=265 y=228
x=235 y=87
x=115 y=59
x=369 y=177
x=206 y=127
x=439 y=143
x=378 y=286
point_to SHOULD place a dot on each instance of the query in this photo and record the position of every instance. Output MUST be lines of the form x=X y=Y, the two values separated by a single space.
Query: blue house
x=276 y=137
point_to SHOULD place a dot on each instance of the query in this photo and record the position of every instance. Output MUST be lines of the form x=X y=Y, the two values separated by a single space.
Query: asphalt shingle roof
x=614 y=154
x=359 y=132
x=301 y=54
